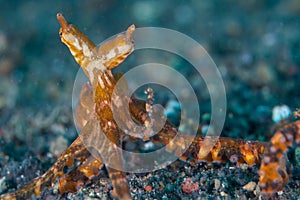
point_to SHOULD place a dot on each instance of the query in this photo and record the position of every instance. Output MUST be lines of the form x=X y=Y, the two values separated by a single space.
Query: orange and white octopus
x=94 y=111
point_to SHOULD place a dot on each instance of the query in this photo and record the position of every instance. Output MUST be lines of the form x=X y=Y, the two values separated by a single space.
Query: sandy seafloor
x=255 y=45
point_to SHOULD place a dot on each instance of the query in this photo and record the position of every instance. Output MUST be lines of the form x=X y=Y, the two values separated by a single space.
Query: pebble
x=58 y=128
x=148 y=188
x=263 y=75
x=92 y=194
x=249 y=186
x=217 y=184
x=164 y=197
x=188 y=186
x=280 y=193
x=58 y=145
x=280 y=113
x=257 y=190
x=224 y=194
x=2 y=184
x=6 y=65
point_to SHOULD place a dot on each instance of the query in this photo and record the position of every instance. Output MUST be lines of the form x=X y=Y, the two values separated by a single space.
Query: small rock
x=217 y=184
x=257 y=190
x=188 y=186
x=280 y=113
x=58 y=146
x=92 y=194
x=263 y=75
x=6 y=65
x=249 y=186
x=58 y=128
x=148 y=146
x=164 y=197
x=148 y=188
x=2 y=184
x=223 y=194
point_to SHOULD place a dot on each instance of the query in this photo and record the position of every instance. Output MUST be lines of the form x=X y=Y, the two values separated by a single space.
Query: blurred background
x=255 y=45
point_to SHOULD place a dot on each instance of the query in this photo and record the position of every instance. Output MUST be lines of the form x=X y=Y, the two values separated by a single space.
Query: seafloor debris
x=280 y=113
x=188 y=186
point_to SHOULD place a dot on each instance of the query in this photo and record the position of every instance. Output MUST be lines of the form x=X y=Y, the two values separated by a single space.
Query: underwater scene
x=173 y=99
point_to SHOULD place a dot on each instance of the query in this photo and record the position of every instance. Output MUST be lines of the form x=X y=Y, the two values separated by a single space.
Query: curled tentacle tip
x=62 y=21
x=130 y=30
x=131 y=27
